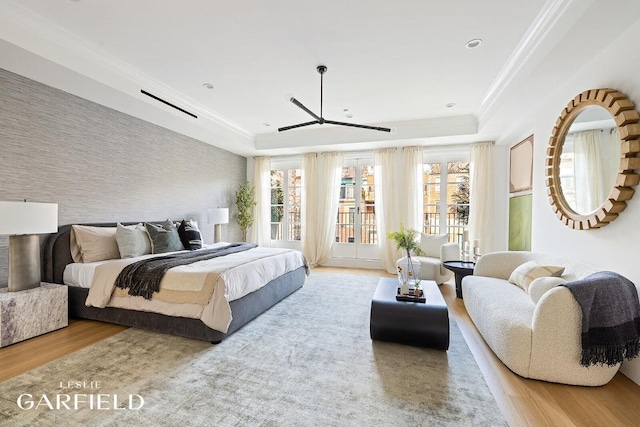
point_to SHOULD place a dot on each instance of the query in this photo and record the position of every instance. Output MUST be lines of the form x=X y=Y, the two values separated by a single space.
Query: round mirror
x=591 y=158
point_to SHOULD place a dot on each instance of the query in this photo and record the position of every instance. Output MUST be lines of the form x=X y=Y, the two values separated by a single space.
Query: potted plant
x=405 y=239
x=245 y=201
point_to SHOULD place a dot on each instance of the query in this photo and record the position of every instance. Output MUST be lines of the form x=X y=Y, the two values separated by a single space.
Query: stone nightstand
x=26 y=314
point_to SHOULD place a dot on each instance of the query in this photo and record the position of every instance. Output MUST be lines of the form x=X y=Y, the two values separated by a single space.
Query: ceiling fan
x=319 y=120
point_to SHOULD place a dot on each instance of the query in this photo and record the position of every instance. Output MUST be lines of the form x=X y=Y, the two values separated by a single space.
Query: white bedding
x=254 y=269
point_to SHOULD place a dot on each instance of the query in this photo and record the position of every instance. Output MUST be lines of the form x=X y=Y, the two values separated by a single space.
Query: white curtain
x=321 y=193
x=260 y=231
x=412 y=188
x=387 y=205
x=596 y=162
x=481 y=195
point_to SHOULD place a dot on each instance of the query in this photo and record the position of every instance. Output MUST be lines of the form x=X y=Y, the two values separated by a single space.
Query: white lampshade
x=18 y=218
x=218 y=215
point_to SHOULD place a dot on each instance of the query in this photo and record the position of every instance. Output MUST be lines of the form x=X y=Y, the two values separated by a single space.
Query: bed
x=57 y=256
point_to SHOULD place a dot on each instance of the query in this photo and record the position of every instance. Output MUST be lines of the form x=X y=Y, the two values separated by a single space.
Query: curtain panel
x=387 y=205
x=481 y=197
x=260 y=231
x=411 y=217
x=321 y=192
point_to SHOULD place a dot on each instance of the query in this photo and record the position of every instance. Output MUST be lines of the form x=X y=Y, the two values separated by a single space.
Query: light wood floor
x=522 y=402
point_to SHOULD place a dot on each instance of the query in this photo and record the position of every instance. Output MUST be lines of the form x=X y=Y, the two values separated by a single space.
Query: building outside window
x=286 y=193
x=446 y=199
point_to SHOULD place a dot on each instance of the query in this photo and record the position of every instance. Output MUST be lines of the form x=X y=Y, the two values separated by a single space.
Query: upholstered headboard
x=57 y=251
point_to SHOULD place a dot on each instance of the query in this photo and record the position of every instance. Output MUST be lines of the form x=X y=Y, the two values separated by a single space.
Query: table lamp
x=23 y=221
x=218 y=216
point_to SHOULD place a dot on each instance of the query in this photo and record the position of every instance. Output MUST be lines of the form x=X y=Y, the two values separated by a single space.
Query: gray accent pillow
x=164 y=237
x=133 y=240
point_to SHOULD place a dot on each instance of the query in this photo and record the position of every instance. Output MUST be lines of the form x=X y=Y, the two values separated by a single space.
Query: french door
x=356 y=231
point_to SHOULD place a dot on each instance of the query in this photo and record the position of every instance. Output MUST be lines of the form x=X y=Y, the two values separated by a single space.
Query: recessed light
x=472 y=44
x=266 y=124
x=451 y=105
x=207 y=85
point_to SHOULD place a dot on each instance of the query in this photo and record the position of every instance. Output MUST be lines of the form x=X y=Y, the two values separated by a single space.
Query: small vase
x=404 y=289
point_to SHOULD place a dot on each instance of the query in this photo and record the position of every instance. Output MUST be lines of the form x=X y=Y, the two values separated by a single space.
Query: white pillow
x=133 y=240
x=531 y=270
x=431 y=243
x=541 y=285
x=89 y=244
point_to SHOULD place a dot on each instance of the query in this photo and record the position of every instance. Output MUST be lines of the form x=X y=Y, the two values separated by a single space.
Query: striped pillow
x=190 y=235
x=531 y=270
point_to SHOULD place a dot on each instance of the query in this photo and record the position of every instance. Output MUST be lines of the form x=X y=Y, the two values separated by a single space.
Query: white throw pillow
x=431 y=243
x=133 y=240
x=541 y=285
x=531 y=270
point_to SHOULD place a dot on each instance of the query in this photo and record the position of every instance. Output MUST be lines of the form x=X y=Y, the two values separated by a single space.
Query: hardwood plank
x=30 y=354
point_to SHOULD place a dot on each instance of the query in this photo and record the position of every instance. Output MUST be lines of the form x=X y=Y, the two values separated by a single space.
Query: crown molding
x=530 y=44
x=29 y=31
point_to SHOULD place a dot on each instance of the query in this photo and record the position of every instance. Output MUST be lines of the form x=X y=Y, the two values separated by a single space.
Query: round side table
x=461 y=269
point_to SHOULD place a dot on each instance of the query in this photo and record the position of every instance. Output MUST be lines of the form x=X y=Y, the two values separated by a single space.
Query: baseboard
x=372 y=264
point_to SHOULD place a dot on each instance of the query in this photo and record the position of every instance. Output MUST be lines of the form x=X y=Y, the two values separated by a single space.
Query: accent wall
x=101 y=165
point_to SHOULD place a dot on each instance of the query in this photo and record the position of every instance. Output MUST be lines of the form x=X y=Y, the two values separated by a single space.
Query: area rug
x=308 y=361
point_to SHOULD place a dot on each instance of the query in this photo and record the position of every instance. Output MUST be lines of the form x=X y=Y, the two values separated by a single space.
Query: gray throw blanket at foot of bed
x=143 y=278
x=610 y=318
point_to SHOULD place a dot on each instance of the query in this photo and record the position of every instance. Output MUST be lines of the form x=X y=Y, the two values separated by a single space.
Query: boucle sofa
x=535 y=340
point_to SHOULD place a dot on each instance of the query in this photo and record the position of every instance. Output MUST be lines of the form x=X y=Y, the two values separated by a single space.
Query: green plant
x=405 y=239
x=245 y=201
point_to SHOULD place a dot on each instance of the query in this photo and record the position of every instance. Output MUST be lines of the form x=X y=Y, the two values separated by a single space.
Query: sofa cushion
x=502 y=313
x=541 y=285
x=431 y=243
x=529 y=271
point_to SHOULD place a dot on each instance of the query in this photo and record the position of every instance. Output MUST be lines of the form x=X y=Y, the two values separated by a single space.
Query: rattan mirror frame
x=627 y=119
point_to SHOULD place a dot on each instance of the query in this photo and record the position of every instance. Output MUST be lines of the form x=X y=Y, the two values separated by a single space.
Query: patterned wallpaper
x=101 y=165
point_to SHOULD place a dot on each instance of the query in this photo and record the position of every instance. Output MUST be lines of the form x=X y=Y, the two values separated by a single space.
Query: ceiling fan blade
x=299 y=104
x=381 y=129
x=315 y=122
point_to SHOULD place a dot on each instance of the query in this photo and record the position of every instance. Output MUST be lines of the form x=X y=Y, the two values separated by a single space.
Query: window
x=286 y=194
x=446 y=189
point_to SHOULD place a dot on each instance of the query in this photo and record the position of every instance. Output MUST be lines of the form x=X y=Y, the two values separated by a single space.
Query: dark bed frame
x=57 y=254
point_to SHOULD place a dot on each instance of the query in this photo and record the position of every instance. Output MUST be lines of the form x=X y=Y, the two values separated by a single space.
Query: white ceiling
x=392 y=63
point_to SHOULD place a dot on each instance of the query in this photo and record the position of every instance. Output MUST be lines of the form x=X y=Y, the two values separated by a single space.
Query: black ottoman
x=421 y=324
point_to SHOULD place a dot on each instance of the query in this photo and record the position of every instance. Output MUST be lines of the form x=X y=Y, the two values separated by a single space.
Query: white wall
x=614 y=247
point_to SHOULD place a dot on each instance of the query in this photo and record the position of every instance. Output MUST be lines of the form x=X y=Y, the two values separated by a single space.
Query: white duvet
x=243 y=273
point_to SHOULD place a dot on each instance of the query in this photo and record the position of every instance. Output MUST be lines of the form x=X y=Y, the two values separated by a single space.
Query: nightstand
x=26 y=314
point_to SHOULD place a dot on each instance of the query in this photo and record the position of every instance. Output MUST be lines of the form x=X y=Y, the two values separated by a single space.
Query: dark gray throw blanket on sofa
x=610 y=318
x=143 y=278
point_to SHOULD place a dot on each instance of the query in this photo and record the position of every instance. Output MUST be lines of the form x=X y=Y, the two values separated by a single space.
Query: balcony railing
x=345 y=227
x=454 y=226
x=292 y=227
